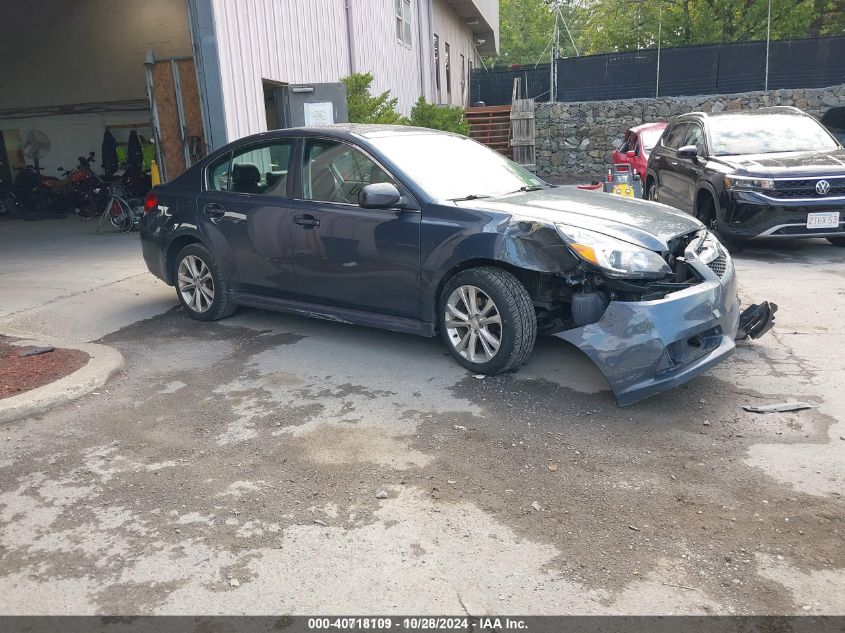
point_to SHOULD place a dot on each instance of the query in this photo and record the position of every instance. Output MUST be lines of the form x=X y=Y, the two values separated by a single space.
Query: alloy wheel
x=196 y=283
x=473 y=324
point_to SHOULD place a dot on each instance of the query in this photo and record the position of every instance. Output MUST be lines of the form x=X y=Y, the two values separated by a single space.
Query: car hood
x=789 y=164
x=647 y=224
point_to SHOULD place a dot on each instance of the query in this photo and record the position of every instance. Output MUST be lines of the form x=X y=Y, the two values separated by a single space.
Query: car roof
x=781 y=110
x=655 y=125
x=344 y=130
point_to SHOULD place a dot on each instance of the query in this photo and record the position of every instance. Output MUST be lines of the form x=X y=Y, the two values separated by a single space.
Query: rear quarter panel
x=175 y=216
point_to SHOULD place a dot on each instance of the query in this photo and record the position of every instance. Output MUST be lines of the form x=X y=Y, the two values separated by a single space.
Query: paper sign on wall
x=319 y=113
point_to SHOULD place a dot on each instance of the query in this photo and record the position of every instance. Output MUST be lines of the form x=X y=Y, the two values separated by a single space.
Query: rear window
x=650 y=138
x=767 y=134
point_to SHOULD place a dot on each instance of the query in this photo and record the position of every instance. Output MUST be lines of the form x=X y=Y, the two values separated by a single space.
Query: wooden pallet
x=491 y=125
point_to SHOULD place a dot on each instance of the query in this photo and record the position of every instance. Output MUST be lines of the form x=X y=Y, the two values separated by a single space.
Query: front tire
x=201 y=284
x=487 y=320
x=706 y=212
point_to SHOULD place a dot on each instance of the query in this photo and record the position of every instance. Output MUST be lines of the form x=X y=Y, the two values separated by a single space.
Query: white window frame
x=404 y=33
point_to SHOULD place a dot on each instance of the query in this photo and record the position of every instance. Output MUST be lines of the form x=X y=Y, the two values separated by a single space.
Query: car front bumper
x=751 y=214
x=646 y=347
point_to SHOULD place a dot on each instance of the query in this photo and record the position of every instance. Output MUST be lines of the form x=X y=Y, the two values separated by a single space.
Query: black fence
x=686 y=70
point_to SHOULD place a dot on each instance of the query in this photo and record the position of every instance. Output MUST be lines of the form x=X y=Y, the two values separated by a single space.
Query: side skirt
x=337 y=314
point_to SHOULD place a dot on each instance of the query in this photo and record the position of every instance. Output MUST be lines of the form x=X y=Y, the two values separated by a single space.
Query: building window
x=403 y=21
x=437 y=65
x=463 y=80
x=448 y=73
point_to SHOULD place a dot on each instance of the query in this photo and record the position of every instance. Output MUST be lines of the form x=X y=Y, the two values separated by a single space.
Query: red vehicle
x=637 y=145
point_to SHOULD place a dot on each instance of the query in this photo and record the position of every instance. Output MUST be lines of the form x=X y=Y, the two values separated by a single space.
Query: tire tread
x=518 y=305
x=224 y=306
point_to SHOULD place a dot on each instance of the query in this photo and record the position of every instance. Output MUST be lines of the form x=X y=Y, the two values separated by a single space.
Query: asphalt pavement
x=270 y=463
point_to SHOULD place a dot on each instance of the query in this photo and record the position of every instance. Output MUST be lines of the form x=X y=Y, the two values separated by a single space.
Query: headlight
x=751 y=184
x=709 y=249
x=615 y=256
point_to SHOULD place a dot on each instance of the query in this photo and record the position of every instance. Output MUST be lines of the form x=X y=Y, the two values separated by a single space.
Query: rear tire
x=201 y=284
x=651 y=190
x=487 y=320
x=837 y=241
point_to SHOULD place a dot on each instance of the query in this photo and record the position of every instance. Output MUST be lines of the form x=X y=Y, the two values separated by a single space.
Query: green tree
x=525 y=31
x=619 y=25
x=449 y=118
x=365 y=108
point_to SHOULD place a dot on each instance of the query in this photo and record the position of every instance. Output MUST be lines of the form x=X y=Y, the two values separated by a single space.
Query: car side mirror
x=688 y=151
x=630 y=153
x=379 y=195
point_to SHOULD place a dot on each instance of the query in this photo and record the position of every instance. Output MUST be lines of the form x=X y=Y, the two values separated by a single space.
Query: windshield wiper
x=472 y=196
x=529 y=188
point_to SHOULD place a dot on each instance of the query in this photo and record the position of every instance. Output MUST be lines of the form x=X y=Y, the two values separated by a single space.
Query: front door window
x=336 y=172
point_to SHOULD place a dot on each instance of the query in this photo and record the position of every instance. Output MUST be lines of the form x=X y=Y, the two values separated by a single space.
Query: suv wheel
x=837 y=241
x=706 y=212
x=651 y=190
x=487 y=320
x=201 y=285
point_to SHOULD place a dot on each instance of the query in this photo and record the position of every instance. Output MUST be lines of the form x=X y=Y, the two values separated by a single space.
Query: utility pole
x=768 y=38
x=659 y=38
x=553 y=60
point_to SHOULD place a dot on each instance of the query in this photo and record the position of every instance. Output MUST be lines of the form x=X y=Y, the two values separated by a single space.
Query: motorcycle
x=9 y=204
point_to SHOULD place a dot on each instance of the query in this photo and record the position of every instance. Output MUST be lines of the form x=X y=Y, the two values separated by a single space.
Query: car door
x=668 y=181
x=245 y=212
x=688 y=170
x=346 y=255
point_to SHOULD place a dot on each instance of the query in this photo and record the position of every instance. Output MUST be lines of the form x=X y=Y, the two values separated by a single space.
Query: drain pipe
x=350 y=37
x=421 y=50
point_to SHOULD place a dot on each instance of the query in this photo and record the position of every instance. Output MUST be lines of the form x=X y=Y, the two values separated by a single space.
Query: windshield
x=650 y=138
x=767 y=134
x=451 y=167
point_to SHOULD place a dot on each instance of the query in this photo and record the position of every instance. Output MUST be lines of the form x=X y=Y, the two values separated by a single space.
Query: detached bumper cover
x=646 y=347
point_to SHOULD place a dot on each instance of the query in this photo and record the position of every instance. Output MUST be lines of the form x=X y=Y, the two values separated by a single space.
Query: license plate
x=824 y=220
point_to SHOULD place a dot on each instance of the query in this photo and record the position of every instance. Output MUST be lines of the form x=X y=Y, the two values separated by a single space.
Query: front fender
x=523 y=244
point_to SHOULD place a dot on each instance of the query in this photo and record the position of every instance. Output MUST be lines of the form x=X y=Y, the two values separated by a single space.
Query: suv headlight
x=618 y=258
x=748 y=184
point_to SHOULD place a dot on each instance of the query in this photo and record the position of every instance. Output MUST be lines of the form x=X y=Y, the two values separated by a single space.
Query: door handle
x=214 y=210
x=308 y=221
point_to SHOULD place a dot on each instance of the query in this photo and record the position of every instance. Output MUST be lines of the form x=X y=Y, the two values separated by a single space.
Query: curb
x=104 y=361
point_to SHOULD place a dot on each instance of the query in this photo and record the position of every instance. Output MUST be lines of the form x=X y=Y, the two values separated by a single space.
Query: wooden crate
x=491 y=125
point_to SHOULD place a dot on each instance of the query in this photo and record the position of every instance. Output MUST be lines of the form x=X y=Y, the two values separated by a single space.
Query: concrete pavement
x=60 y=278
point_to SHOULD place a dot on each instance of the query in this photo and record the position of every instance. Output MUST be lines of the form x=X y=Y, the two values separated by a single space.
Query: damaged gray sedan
x=431 y=233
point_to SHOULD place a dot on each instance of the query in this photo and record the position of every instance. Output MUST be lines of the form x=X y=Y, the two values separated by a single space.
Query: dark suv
x=772 y=172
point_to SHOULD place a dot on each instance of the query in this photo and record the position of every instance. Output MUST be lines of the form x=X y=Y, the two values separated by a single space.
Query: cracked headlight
x=620 y=259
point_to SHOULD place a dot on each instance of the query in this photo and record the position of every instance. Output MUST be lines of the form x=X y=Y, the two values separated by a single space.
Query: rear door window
x=262 y=169
x=218 y=174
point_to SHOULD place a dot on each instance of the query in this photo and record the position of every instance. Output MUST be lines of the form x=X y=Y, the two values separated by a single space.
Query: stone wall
x=574 y=140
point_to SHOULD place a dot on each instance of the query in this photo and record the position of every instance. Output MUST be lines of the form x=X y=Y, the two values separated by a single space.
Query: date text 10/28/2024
x=422 y=623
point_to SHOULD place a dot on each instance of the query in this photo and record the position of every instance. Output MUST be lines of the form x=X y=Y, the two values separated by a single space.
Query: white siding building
x=412 y=48
x=78 y=69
